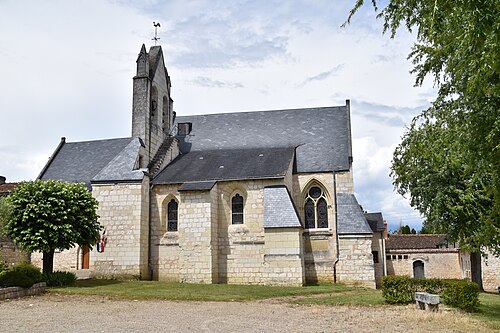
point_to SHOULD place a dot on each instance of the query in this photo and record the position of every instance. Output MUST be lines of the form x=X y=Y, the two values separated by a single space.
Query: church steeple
x=142 y=62
x=152 y=113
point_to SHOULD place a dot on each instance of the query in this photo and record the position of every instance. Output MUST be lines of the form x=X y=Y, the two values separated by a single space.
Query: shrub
x=3 y=266
x=461 y=294
x=13 y=278
x=59 y=279
x=31 y=271
x=397 y=289
x=456 y=293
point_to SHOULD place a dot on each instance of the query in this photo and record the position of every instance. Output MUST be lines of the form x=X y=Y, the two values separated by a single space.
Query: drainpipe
x=384 y=236
x=150 y=247
x=336 y=229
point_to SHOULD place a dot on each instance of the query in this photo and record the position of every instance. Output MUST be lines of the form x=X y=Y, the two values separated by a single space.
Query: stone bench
x=426 y=301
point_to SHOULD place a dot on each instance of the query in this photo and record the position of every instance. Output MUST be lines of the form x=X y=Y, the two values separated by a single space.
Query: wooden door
x=85 y=257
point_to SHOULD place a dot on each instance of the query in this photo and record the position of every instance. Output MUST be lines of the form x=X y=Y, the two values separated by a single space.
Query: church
x=260 y=197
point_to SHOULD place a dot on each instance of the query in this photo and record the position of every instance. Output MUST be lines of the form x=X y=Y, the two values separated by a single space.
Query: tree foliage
x=449 y=159
x=4 y=214
x=50 y=215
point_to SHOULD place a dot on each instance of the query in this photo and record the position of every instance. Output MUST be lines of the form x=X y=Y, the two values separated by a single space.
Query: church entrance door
x=85 y=257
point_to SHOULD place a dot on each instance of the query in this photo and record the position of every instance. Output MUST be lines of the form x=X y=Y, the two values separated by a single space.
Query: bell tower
x=152 y=114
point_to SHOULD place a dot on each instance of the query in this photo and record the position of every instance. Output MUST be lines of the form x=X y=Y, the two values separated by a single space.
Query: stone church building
x=249 y=197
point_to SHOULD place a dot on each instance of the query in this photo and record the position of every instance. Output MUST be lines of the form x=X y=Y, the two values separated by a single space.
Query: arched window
x=165 y=115
x=316 y=209
x=418 y=269
x=237 y=209
x=172 y=215
x=154 y=106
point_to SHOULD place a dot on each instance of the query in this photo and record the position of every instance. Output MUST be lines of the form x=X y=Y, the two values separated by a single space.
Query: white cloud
x=67 y=70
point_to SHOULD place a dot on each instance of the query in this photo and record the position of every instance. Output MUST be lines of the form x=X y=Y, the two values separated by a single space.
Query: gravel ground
x=54 y=313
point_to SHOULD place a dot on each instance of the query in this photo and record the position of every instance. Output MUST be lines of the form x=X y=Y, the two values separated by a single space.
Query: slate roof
x=350 y=217
x=321 y=135
x=197 y=186
x=406 y=242
x=82 y=161
x=227 y=164
x=279 y=211
x=376 y=221
x=121 y=167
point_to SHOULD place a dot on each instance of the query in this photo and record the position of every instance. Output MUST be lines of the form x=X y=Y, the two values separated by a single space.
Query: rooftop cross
x=156 y=38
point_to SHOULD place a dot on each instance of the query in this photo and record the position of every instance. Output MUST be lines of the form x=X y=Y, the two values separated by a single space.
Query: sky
x=66 y=69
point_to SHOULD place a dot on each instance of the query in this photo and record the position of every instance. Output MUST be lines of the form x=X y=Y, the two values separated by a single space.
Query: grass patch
x=489 y=310
x=191 y=292
x=358 y=296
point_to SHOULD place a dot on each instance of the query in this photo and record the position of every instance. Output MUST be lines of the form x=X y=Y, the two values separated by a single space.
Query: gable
x=321 y=135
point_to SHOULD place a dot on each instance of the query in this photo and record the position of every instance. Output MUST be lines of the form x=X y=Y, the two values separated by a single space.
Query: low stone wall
x=16 y=292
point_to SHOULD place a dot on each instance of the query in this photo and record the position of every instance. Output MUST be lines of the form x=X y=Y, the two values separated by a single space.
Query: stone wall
x=197 y=248
x=16 y=292
x=355 y=264
x=320 y=247
x=283 y=259
x=438 y=263
x=344 y=182
x=10 y=253
x=378 y=263
x=124 y=211
x=491 y=272
x=164 y=244
x=67 y=260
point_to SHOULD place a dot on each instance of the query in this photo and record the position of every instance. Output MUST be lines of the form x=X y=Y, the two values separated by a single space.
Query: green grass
x=190 y=292
x=489 y=310
x=358 y=296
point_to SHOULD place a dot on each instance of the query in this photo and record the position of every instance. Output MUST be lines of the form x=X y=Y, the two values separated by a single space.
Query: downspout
x=384 y=255
x=336 y=229
x=150 y=247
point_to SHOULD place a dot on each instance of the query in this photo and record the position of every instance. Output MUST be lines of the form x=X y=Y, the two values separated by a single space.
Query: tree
x=4 y=214
x=50 y=215
x=449 y=159
x=406 y=230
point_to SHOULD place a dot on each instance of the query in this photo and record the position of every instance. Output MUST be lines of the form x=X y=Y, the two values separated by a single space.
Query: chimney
x=2 y=180
x=386 y=233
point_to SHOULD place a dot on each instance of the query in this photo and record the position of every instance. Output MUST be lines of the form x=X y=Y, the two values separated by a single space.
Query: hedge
x=457 y=293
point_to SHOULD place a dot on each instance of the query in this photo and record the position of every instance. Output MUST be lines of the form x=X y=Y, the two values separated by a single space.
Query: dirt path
x=52 y=313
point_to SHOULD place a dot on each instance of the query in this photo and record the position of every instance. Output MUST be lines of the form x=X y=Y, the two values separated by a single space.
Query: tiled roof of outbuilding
x=321 y=135
x=227 y=164
x=400 y=242
x=6 y=188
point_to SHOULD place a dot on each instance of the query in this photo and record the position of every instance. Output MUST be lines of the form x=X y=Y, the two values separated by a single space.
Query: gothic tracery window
x=172 y=216
x=316 y=209
x=237 y=209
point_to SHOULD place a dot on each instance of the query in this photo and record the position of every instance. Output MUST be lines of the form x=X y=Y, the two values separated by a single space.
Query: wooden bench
x=426 y=301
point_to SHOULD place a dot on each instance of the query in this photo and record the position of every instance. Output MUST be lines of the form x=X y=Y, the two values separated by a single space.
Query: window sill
x=318 y=232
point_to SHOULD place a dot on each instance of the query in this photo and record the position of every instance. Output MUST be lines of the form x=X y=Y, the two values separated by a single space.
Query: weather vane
x=155 y=38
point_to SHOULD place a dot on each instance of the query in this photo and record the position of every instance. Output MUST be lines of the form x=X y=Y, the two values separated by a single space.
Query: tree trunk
x=48 y=262
x=476 y=271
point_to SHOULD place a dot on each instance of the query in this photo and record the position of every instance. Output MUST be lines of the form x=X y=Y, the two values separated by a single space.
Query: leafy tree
x=4 y=214
x=50 y=215
x=449 y=159
x=406 y=230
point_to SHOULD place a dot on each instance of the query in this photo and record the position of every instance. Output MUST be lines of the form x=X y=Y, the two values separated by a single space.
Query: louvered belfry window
x=237 y=209
x=172 y=215
x=316 y=209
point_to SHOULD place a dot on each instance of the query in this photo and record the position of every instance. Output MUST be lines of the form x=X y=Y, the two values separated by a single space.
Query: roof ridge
x=96 y=140
x=261 y=111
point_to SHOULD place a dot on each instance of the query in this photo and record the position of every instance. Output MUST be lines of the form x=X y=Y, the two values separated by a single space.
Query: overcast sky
x=66 y=69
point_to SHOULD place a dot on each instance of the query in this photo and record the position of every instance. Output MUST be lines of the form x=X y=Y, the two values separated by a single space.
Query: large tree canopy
x=50 y=215
x=449 y=159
